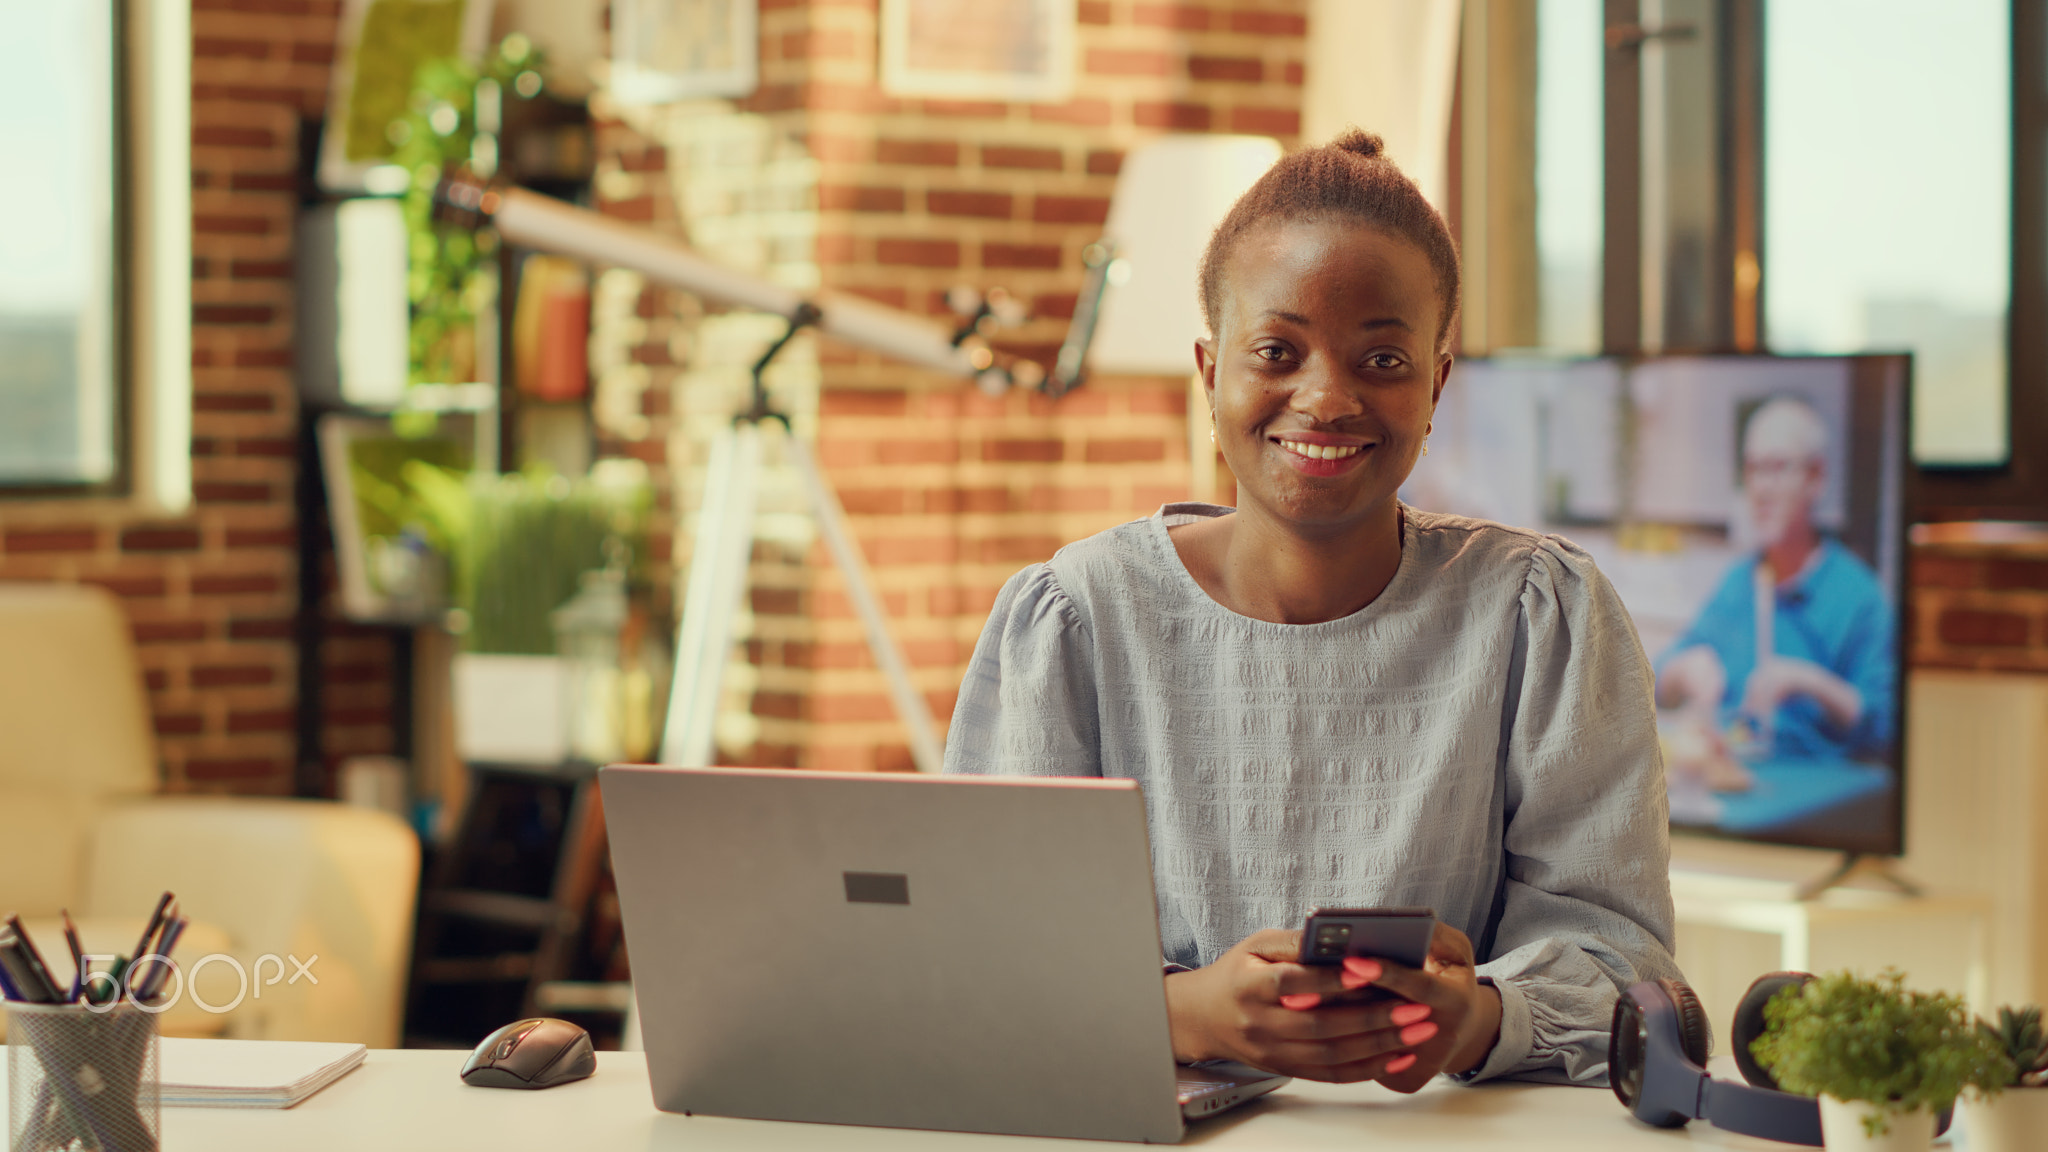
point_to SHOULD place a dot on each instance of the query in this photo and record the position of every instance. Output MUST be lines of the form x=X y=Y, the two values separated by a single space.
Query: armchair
x=81 y=827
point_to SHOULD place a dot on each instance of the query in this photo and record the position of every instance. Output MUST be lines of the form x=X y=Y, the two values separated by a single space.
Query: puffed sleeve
x=1027 y=704
x=1585 y=906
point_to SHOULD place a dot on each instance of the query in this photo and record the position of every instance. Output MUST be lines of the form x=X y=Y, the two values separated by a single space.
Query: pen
x=111 y=990
x=156 y=945
x=27 y=981
x=145 y=970
x=149 y=982
x=77 y=956
x=38 y=971
x=153 y=985
x=149 y=930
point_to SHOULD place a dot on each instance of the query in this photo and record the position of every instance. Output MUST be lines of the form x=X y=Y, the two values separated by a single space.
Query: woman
x=1333 y=699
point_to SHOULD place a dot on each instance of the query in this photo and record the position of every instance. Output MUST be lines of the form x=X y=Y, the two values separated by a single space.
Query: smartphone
x=1397 y=934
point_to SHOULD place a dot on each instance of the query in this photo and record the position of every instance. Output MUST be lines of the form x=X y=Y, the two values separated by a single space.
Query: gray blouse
x=1480 y=739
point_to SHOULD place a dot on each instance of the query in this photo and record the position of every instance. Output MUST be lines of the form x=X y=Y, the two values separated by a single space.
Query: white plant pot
x=2016 y=1120
x=1841 y=1125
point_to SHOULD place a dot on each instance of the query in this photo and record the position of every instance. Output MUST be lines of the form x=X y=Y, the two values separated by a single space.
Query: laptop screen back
x=955 y=953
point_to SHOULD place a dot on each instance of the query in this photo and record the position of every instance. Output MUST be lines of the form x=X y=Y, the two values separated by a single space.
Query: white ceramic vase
x=2015 y=1120
x=1841 y=1125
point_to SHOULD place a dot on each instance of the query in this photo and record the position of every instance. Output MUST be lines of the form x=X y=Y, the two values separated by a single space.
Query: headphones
x=1657 y=1064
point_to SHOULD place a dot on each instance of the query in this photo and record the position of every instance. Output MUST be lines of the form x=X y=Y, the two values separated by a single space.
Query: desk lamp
x=1169 y=197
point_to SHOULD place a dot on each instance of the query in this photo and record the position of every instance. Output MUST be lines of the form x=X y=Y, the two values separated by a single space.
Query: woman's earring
x=1425 y=445
x=1212 y=432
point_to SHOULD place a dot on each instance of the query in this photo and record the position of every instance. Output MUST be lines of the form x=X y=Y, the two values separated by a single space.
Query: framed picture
x=978 y=49
x=669 y=50
x=383 y=42
x=396 y=505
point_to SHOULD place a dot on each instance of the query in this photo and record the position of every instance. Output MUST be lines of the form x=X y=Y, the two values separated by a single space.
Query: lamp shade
x=1169 y=197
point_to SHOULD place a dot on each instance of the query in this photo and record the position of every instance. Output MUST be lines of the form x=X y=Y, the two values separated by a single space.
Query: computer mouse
x=538 y=1053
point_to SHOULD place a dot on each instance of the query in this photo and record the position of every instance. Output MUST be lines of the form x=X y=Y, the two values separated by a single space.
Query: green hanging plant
x=446 y=282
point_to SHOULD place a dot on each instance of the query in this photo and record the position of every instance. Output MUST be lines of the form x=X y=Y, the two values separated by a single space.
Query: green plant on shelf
x=1876 y=1041
x=451 y=118
x=515 y=546
x=529 y=539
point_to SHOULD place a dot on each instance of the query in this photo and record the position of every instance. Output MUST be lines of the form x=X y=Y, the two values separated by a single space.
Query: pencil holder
x=81 y=1078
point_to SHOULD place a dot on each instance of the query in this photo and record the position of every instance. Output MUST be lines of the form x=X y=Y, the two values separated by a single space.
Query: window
x=1569 y=217
x=60 y=280
x=1883 y=186
x=96 y=258
x=1888 y=201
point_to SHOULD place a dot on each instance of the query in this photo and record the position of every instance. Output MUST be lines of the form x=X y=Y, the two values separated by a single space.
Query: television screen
x=1750 y=511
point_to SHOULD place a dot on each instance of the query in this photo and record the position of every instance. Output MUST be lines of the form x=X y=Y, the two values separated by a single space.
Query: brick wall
x=1980 y=607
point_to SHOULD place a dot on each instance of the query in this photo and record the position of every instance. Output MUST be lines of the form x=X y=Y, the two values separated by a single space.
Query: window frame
x=151 y=348
x=2016 y=489
x=119 y=319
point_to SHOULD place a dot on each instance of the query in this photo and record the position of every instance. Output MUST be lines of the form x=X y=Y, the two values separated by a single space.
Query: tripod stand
x=718 y=579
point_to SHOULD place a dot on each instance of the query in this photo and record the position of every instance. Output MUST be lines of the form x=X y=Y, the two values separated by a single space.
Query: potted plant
x=1883 y=1060
x=2018 y=1119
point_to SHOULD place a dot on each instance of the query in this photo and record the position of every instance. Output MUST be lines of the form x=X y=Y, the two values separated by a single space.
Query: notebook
x=250 y=1073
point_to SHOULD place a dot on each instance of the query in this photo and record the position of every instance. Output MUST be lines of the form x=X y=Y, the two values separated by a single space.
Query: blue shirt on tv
x=1834 y=614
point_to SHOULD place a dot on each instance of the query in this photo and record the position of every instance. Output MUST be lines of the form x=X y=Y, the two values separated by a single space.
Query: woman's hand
x=1466 y=1012
x=1258 y=1005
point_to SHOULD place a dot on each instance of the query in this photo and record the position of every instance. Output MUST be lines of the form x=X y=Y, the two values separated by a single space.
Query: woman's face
x=1324 y=371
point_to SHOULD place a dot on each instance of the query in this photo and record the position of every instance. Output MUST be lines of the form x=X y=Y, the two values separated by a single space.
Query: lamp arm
x=1072 y=366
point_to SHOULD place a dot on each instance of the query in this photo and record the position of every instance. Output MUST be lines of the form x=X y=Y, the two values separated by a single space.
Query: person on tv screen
x=1793 y=657
x=1332 y=699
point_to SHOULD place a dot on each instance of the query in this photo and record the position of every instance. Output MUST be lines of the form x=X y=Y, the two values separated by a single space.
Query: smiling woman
x=1322 y=375
x=1335 y=275
x=1334 y=700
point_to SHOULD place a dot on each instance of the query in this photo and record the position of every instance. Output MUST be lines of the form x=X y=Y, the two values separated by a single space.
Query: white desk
x=399 y=1101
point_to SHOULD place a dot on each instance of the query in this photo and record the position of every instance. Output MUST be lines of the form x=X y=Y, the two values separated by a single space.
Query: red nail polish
x=1300 y=1001
x=1409 y=1013
x=1360 y=966
x=1351 y=980
x=1417 y=1033
x=1402 y=1062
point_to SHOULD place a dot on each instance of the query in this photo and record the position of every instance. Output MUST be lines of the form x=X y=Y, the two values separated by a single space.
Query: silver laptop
x=960 y=953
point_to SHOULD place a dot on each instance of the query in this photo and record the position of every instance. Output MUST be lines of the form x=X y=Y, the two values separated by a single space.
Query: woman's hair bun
x=1360 y=141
